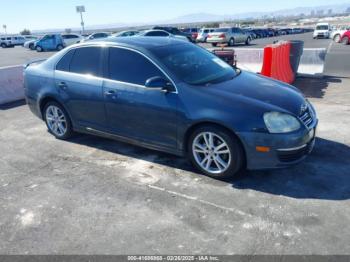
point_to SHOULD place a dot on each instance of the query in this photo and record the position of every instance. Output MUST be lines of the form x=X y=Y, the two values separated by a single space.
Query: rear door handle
x=62 y=85
x=111 y=93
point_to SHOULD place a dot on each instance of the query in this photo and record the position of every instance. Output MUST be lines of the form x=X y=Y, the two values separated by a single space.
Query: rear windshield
x=221 y=30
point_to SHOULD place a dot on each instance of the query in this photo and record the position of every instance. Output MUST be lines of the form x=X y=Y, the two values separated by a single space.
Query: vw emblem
x=303 y=108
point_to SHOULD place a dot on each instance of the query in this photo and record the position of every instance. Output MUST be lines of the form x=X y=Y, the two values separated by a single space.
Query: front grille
x=307 y=117
x=293 y=155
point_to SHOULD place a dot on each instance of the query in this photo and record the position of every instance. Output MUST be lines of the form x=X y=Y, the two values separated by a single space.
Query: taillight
x=209 y=36
x=222 y=36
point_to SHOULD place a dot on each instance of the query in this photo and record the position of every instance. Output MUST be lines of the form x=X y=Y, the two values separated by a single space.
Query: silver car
x=203 y=34
x=229 y=36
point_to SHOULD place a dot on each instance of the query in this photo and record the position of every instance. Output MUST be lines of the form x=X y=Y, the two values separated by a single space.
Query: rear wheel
x=345 y=40
x=57 y=120
x=231 y=42
x=215 y=152
x=3 y=45
x=31 y=47
x=336 y=38
x=59 y=47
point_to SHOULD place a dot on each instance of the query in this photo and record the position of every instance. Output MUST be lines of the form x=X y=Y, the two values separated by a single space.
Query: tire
x=38 y=48
x=234 y=159
x=345 y=40
x=231 y=42
x=59 y=47
x=3 y=45
x=214 y=44
x=247 y=42
x=337 y=38
x=58 y=124
x=31 y=47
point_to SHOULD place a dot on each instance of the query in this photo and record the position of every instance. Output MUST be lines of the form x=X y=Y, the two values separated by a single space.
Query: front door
x=132 y=110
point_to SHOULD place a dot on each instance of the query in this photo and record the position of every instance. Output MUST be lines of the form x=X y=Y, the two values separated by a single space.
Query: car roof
x=143 y=42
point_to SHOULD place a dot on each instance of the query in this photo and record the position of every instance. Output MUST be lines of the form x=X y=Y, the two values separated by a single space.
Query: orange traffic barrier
x=276 y=62
x=267 y=61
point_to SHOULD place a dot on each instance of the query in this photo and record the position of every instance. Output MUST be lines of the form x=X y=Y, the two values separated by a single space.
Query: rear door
x=133 y=110
x=78 y=80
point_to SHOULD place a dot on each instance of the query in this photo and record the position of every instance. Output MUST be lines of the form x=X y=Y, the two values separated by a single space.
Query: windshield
x=221 y=30
x=194 y=65
x=322 y=27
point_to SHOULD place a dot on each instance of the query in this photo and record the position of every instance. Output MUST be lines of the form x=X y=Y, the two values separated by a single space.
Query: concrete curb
x=11 y=84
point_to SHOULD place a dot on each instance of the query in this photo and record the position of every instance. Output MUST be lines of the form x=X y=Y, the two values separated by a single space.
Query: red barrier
x=267 y=61
x=276 y=62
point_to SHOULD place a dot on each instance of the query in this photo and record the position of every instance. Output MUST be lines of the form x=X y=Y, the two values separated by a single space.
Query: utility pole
x=81 y=9
x=5 y=29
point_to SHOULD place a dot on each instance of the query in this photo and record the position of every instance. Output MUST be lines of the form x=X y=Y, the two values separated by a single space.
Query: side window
x=157 y=33
x=86 y=60
x=131 y=67
x=64 y=63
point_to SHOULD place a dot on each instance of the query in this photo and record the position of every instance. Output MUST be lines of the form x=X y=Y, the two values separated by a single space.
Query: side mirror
x=159 y=83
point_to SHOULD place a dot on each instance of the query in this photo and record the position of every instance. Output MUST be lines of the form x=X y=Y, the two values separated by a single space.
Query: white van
x=322 y=30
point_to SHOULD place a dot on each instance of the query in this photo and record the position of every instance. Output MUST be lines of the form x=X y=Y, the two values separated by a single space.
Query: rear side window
x=157 y=33
x=86 y=60
x=130 y=67
x=64 y=63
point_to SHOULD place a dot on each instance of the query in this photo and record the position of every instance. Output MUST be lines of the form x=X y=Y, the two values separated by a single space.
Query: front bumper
x=285 y=149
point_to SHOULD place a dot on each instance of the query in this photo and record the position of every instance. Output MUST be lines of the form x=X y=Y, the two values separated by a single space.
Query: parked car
x=337 y=34
x=259 y=33
x=249 y=32
x=11 y=41
x=286 y=31
x=125 y=33
x=71 y=39
x=322 y=30
x=49 y=42
x=174 y=31
x=297 y=31
x=30 y=44
x=161 y=33
x=191 y=31
x=345 y=39
x=172 y=96
x=229 y=36
x=203 y=34
x=95 y=36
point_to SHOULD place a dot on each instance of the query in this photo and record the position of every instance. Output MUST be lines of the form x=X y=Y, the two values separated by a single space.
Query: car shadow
x=315 y=87
x=323 y=175
x=12 y=104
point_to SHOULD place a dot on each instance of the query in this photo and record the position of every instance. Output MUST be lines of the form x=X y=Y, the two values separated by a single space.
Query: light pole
x=5 y=29
x=81 y=9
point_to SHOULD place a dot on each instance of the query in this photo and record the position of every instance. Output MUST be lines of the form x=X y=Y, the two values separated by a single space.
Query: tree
x=25 y=32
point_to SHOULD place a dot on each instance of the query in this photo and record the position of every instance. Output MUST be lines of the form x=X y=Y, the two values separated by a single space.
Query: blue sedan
x=172 y=96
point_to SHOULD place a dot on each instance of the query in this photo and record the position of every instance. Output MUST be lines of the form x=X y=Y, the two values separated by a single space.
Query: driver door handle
x=111 y=93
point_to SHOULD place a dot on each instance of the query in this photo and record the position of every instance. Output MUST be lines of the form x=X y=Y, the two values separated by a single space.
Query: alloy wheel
x=56 y=120
x=211 y=152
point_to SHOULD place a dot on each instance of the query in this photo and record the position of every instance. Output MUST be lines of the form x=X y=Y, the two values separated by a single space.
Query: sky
x=39 y=14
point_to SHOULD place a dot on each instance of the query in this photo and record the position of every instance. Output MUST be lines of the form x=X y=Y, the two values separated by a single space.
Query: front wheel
x=57 y=120
x=59 y=47
x=247 y=42
x=3 y=45
x=215 y=152
x=39 y=48
x=31 y=47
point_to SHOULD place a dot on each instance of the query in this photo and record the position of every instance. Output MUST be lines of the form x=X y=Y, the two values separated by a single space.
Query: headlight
x=280 y=123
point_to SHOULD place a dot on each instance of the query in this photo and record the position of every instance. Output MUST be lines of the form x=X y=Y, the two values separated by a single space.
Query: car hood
x=258 y=90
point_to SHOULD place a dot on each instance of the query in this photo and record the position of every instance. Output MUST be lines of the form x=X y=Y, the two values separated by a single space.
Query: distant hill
x=207 y=17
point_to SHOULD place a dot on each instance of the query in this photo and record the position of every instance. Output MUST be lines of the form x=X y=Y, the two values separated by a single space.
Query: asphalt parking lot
x=92 y=195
